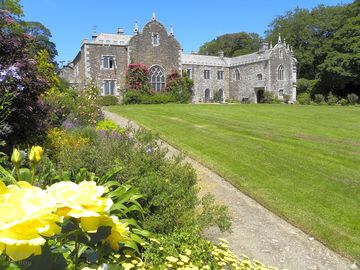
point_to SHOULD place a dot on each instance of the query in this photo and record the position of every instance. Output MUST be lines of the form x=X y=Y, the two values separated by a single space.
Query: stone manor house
x=105 y=59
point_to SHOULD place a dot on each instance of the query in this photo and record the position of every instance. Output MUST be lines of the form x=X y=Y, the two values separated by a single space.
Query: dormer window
x=155 y=39
x=108 y=62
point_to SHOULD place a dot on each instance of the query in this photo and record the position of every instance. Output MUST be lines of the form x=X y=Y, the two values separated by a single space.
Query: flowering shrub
x=21 y=80
x=137 y=78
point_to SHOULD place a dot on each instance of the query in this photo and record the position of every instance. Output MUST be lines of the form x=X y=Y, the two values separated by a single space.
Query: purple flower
x=149 y=150
x=20 y=87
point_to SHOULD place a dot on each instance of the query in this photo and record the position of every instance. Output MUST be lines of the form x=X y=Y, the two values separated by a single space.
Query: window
x=280 y=75
x=281 y=54
x=188 y=73
x=281 y=92
x=157 y=78
x=259 y=77
x=220 y=75
x=206 y=74
x=109 y=88
x=155 y=39
x=237 y=75
x=108 y=62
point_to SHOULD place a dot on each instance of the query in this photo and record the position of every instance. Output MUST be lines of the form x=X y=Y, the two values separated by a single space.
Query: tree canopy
x=232 y=44
x=326 y=42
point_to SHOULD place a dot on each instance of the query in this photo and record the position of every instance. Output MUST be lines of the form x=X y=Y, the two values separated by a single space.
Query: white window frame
x=110 y=92
x=280 y=73
x=206 y=74
x=155 y=39
x=220 y=75
x=157 y=78
x=109 y=63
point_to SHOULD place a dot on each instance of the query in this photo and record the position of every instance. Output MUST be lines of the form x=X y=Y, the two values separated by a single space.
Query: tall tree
x=232 y=44
x=326 y=44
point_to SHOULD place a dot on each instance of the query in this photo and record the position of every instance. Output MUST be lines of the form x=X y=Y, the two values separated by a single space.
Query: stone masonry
x=245 y=78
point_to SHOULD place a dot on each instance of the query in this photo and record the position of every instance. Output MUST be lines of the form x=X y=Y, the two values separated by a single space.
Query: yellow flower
x=35 y=154
x=172 y=259
x=16 y=156
x=80 y=200
x=27 y=214
x=119 y=231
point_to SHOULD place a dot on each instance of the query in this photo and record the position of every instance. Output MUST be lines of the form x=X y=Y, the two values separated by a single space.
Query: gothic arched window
x=157 y=78
x=237 y=75
x=280 y=74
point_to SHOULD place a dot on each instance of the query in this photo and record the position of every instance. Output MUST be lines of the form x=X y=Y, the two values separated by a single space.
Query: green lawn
x=302 y=162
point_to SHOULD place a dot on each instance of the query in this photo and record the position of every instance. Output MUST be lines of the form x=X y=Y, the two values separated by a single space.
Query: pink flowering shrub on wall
x=137 y=78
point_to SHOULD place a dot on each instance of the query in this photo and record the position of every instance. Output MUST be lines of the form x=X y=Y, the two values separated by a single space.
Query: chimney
x=221 y=54
x=120 y=31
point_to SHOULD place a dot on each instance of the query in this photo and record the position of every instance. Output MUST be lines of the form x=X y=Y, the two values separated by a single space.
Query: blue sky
x=194 y=22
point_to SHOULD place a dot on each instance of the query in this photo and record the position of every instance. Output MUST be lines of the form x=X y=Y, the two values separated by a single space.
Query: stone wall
x=99 y=74
x=166 y=54
x=213 y=84
x=245 y=88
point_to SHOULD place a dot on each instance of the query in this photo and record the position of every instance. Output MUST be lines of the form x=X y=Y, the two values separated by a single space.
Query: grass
x=302 y=162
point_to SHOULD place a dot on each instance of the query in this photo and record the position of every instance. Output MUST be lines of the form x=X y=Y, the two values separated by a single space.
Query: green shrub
x=269 y=97
x=352 y=98
x=304 y=98
x=109 y=126
x=286 y=98
x=218 y=97
x=132 y=97
x=319 y=99
x=331 y=99
x=343 y=102
x=306 y=86
x=168 y=186
x=107 y=100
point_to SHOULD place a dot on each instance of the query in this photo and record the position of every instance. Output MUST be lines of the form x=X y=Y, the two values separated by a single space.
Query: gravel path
x=256 y=231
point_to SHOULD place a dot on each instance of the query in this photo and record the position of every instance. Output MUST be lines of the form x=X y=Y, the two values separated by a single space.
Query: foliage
x=331 y=99
x=107 y=100
x=12 y=6
x=47 y=69
x=286 y=98
x=168 y=186
x=132 y=97
x=218 y=97
x=137 y=78
x=179 y=87
x=186 y=249
x=232 y=44
x=23 y=82
x=304 y=98
x=352 y=98
x=70 y=108
x=158 y=98
x=343 y=102
x=109 y=126
x=270 y=98
x=304 y=85
x=319 y=99
x=326 y=45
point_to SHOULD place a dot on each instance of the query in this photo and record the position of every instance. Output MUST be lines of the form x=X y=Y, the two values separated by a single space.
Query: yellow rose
x=27 y=214
x=119 y=231
x=16 y=156
x=35 y=154
x=79 y=200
